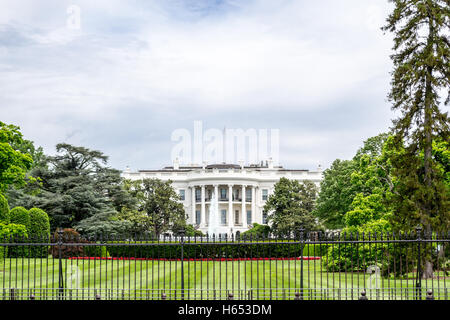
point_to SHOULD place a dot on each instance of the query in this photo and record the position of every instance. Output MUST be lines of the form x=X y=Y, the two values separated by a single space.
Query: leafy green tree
x=4 y=210
x=421 y=73
x=158 y=209
x=366 y=209
x=336 y=193
x=366 y=173
x=290 y=207
x=14 y=164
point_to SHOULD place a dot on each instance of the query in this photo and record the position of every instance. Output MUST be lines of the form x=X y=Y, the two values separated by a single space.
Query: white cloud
x=146 y=68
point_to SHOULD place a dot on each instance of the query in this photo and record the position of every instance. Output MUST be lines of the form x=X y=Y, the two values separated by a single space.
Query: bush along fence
x=307 y=266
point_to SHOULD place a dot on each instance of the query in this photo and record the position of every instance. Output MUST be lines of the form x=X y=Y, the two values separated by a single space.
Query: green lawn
x=125 y=279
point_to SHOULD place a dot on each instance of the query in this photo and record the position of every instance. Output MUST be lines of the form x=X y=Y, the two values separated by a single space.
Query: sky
x=121 y=76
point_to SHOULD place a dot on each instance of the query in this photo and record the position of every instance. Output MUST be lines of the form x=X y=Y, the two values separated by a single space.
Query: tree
x=409 y=196
x=13 y=163
x=347 y=178
x=421 y=73
x=158 y=209
x=75 y=185
x=290 y=207
x=4 y=210
x=336 y=193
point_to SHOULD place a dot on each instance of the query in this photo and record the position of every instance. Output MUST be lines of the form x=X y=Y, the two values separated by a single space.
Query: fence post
x=61 y=276
x=12 y=294
x=419 y=264
x=182 y=233
x=302 y=240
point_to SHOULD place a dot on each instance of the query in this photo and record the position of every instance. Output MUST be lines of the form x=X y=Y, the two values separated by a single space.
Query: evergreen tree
x=75 y=185
x=421 y=74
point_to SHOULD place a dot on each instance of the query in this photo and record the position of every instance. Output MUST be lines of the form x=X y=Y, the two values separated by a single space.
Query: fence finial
x=430 y=294
x=363 y=296
x=298 y=296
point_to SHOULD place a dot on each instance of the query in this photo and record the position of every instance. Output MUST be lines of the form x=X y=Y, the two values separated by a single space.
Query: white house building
x=242 y=191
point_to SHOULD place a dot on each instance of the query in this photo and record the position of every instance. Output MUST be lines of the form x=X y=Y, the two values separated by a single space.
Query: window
x=223 y=216
x=264 y=217
x=249 y=216
x=198 y=194
x=265 y=192
x=182 y=195
x=236 y=194
x=197 y=216
x=223 y=194
x=236 y=217
x=248 y=194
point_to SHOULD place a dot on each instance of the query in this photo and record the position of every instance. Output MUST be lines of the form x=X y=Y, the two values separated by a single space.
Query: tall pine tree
x=421 y=76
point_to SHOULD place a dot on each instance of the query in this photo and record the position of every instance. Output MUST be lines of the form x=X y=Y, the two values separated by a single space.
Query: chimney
x=270 y=163
x=176 y=164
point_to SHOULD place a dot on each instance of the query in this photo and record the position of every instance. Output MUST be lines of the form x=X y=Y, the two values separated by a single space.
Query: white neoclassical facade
x=242 y=190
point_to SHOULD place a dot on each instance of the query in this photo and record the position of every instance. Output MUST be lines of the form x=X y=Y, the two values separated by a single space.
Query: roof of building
x=219 y=166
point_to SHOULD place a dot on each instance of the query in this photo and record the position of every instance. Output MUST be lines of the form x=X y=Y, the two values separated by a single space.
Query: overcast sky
x=131 y=72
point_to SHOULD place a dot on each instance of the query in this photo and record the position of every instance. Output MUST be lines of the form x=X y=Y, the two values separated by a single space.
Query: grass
x=128 y=279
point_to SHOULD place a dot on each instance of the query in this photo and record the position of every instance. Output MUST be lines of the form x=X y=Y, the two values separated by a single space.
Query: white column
x=193 y=215
x=243 y=210
x=230 y=206
x=203 y=209
x=216 y=194
x=253 y=204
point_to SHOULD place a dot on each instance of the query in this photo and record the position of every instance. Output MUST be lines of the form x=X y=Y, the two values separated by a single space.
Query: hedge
x=71 y=236
x=39 y=229
x=9 y=232
x=4 y=210
x=170 y=250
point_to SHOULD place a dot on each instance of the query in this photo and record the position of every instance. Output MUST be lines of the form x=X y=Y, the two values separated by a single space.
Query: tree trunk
x=428 y=148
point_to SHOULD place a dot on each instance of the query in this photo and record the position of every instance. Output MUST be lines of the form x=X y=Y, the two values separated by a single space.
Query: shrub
x=395 y=258
x=4 y=210
x=20 y=215
x=10 y=233
x=258 y=230
x=38 y=231
x=203 y=250
x=72 y=236
x=39 y=223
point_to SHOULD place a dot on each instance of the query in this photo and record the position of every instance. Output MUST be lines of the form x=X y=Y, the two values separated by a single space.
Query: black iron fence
x=309 y=266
